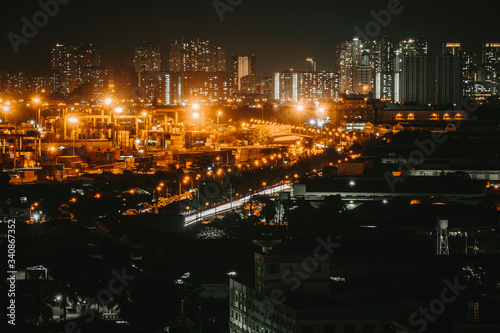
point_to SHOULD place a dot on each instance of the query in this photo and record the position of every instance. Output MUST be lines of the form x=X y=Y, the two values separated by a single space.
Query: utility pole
x=231 y=191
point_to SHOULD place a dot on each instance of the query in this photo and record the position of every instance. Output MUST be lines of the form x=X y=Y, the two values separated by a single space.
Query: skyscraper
x=408 y=47
x=348 y=59
x=363 y=72
x=448 y=79
x=196 y=56
x=357 y=66
x=491 y=66
x=416 y=80
x=384 y=77
x=243 y=66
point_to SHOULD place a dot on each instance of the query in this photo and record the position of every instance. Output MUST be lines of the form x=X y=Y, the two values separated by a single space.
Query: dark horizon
x=282 y=36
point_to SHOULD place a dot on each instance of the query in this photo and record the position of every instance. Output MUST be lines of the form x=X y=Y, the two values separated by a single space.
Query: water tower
x=443 y=247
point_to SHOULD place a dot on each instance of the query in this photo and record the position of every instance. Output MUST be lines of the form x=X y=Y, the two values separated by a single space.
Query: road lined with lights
x=198 y=216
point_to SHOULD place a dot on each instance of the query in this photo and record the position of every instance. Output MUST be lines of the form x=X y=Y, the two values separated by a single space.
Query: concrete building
x=278 y=300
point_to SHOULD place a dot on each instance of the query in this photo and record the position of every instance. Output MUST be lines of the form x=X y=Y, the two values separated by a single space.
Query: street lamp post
x=4 y=142
x=196 y=107
x=5 y=110
x=300 y=108
x=73 y=120
x=146 y=133
x=217 y=142
x=115 y=135
x=37 y=116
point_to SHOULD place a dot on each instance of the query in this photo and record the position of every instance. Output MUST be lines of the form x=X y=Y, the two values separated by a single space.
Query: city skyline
x=245 y=29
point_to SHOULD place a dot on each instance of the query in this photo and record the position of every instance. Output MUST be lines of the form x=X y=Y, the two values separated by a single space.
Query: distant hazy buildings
x=76 y=67
x=125 y=80
x=196 y=56
x=266 y=87
x=147 y=58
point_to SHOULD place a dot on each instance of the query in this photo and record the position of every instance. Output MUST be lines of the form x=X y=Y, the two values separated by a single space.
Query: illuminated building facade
x=452 y=49
x=171 y=88
x=347 y=55
x=358 y=64
x=305 y=87
x=316 y=86
x=384 y=71
x=13 y=84
x=491 y=66
x=352 y=110
x=244 y=68
x=205 y=87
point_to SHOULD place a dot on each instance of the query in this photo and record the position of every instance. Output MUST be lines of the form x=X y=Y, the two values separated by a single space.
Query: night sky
x=282 y=34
